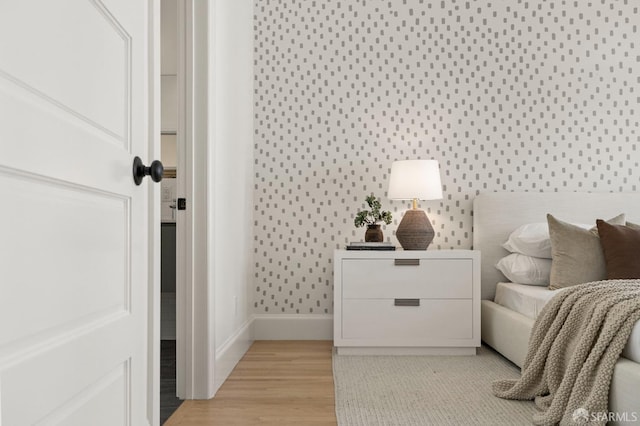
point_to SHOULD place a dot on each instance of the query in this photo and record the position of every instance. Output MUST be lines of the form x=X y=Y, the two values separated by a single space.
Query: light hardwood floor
x=276 y=383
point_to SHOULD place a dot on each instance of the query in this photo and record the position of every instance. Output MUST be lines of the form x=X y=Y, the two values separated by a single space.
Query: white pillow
x=532 y=239
x=522 y=269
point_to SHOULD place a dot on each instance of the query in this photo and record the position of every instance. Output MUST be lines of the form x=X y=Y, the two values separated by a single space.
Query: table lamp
x=415 y=180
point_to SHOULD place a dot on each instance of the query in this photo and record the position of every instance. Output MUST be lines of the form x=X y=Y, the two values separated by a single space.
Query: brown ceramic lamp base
x=415 y=231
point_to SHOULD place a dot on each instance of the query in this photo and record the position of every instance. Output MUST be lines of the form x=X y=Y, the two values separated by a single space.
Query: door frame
x=154 y=218
x=195 y=339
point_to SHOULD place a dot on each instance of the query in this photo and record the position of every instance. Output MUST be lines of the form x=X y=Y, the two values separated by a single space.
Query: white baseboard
x=231 y=352
x=293 y=327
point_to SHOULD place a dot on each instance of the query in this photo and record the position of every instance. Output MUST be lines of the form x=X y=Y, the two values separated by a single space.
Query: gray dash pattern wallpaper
x=506 y=95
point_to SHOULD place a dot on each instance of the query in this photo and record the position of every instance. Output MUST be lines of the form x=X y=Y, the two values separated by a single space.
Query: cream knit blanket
x=574 y=345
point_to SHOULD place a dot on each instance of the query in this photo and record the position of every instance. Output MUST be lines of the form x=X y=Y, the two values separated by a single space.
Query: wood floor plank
x=275 y=383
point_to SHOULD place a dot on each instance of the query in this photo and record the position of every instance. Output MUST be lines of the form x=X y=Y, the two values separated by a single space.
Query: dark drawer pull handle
x=407 y=262
x=406 y=302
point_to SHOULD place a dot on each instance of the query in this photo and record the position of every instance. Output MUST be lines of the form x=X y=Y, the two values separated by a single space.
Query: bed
x=495 y=216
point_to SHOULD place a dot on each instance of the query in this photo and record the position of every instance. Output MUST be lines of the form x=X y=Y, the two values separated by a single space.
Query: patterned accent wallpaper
x=506 y=95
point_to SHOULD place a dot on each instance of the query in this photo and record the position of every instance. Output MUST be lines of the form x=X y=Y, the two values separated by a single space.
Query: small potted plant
x=371 y=218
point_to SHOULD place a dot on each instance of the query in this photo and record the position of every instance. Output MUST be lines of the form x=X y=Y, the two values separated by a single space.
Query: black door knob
x=155 y=170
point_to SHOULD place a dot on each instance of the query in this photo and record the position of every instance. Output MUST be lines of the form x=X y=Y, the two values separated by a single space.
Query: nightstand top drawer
x=407 y=278
x=407 y=254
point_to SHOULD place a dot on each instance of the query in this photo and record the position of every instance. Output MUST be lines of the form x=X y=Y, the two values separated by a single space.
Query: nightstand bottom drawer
x=380 y=319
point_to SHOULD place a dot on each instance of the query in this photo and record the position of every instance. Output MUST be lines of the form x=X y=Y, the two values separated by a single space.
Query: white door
x=74 y=239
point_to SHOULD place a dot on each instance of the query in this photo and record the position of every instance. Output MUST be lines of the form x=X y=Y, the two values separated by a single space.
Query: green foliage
x=373 y=216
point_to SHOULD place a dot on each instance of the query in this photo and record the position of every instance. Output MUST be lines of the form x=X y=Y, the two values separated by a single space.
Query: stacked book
x=370 y=246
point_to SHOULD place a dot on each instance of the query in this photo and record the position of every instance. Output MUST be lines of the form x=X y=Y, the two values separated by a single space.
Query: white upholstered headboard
x=497 y=214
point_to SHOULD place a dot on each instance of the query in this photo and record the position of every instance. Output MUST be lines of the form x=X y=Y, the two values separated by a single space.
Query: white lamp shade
x=419 y=179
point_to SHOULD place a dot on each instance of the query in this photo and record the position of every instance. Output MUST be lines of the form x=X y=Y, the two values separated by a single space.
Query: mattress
x=529 y=300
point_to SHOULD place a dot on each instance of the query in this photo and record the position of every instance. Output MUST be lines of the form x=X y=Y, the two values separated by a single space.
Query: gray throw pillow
x=576 y=253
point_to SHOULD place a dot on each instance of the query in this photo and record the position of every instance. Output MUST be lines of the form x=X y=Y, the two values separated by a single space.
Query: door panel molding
x=90 y=402
x=59 y=61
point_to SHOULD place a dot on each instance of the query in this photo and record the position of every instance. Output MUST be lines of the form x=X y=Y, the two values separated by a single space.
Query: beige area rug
x=425 y=390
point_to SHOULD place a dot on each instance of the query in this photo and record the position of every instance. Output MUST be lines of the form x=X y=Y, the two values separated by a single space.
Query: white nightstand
x=407 y=302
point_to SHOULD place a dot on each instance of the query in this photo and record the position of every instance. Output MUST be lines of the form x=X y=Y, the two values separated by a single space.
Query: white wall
x=168 y=147
x=169 y=71
x=232 y=179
